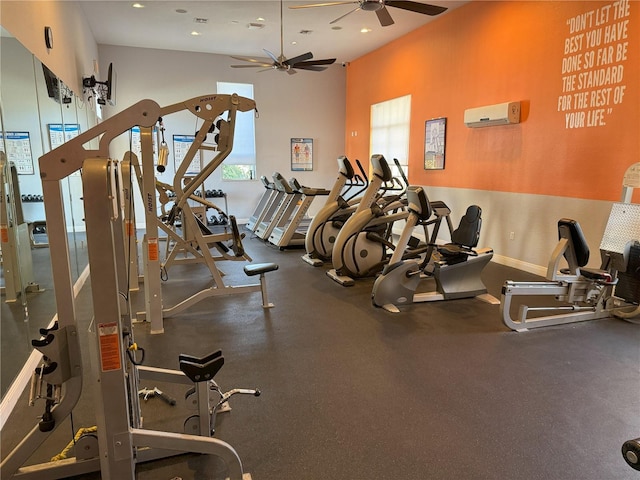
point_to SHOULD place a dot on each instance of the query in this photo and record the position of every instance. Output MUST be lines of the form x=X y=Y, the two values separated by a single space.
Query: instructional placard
x=181 y=145
x=59 y=133
x=109 y=346
x=4 y=234
x=153 y=250
x=18 y=151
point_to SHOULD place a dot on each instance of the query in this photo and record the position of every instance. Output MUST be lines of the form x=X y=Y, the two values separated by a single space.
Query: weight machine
x=456 y=267
x=631 y=448
x=15 y=239
x=122 y=442
x=583 y=293
x=193 y=238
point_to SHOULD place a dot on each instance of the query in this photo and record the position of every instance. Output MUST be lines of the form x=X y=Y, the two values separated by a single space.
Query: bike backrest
x=468 y=232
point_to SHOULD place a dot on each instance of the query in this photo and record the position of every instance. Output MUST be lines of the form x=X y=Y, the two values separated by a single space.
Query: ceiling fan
x=380 y=7
x=302 y=62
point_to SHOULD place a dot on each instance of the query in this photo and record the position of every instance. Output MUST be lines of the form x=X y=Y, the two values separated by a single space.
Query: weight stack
x=628 y=287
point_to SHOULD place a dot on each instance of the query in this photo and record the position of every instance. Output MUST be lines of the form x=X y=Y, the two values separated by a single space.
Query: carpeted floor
x=440 y=391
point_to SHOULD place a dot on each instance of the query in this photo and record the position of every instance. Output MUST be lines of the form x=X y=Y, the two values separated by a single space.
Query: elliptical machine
x=325 y=225
x=360 y=249
x=456 y=266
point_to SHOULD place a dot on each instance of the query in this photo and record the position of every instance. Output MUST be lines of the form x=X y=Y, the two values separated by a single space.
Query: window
x=390 y=121
x=241 y=162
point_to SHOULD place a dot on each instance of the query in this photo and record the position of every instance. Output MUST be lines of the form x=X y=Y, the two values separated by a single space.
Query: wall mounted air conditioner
x=499 y=114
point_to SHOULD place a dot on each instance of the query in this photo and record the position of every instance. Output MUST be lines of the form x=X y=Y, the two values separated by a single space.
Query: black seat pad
x=571 y=230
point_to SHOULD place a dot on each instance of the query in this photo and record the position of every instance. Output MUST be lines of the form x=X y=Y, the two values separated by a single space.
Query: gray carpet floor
x=440 y=391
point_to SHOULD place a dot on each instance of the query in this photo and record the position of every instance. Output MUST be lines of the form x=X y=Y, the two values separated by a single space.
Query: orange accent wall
x=493 y=52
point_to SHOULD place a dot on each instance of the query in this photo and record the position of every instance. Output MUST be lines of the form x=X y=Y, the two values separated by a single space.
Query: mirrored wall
x=37 y=113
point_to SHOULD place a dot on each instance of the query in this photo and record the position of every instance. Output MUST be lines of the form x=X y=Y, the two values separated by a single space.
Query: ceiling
x=233 y=27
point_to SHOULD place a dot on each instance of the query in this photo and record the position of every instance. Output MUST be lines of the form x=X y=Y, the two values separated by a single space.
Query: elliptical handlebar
x=359 y=180
x=402 y=174
x=395 y=184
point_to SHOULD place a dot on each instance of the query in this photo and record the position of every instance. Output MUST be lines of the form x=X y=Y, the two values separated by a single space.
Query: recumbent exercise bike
x=456 y=266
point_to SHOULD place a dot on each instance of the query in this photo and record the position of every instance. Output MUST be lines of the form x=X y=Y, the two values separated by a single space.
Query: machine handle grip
x=242 y=391
x=165 y=397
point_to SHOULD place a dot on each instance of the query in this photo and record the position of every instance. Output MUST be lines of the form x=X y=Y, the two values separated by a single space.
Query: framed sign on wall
x=434 y=143
x=18 y=151
x=302 y=154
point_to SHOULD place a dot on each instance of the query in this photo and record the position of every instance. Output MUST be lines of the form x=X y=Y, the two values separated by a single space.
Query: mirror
x=37 y=113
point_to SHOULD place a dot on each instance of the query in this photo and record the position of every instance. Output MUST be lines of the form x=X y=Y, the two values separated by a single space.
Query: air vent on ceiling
x=255 y=26
x=200 y=20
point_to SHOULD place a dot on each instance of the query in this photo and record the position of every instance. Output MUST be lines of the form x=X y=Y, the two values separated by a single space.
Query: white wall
x=533 y=219
x=73 y=56
x=28 y=108
x=74 y=49
x=307 y=104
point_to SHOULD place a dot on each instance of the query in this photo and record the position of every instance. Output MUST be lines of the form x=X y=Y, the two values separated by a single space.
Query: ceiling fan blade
x=254 y=65
x=272 y=56
x=252 y=59
x=384 y=17
x=310 y=63
x=327 y=4
x=417 y=7
x=340 y=18
x=314 y=68
x=299 y=58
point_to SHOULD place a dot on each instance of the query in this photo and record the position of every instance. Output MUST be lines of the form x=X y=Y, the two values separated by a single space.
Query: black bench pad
x=260 y=268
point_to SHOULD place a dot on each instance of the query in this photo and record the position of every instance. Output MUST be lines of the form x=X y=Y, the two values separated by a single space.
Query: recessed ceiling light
x=180 y=10
x=259 y=19
x=137 y=5
x=365 y=30
x=195 y=34
x=294 y=43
